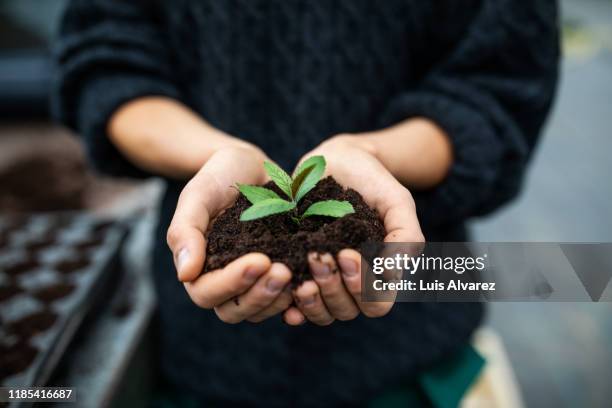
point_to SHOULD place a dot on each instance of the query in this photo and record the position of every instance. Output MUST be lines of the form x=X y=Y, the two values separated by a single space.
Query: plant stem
x=295 y=217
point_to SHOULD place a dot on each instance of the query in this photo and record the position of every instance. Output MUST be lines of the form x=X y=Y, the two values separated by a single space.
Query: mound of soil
x=43 y=182
x=284 y=241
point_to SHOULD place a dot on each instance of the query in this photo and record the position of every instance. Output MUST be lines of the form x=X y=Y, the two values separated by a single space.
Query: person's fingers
x=403 y=227
x=335 y=296
x=280 y=304
x=294 y=317
x=399 y=216
x=188 y=250
x=309 y=302
x=207 y=193
x=349 y=261
x=185 y=235
x=261 y=295
x=215 y=287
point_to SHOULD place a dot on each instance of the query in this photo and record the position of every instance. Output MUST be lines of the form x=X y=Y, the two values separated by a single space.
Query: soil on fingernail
x=284 y=241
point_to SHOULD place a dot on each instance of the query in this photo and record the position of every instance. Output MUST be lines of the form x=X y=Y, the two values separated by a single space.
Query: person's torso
x=287 y=74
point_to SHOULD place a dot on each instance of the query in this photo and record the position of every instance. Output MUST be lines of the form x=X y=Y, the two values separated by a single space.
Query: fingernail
x=181 y=259
x=309 y=300
x=319 y=269
x=349 y=267
x=251 y=274
x=274 y=285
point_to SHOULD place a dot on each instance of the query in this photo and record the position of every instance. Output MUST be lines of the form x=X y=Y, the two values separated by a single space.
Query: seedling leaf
x=329 y=208
x=311 y=161
x=306 y=176
x=256 y=194
x=298 y=181
x=279 y=177
x=266 y=207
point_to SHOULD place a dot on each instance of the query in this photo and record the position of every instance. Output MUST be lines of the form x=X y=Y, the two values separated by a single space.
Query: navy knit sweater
x=285 y=75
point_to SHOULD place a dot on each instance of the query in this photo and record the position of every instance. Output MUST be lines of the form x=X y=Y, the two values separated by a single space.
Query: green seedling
x=266 y=202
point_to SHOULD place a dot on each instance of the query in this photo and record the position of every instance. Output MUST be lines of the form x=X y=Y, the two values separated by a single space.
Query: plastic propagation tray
x=52 y=270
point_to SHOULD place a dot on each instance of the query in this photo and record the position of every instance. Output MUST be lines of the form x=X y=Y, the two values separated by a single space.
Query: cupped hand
x=352 y=161
x=249 y=288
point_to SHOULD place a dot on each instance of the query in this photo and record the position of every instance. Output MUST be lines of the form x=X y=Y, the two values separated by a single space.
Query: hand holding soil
x=331 y=295
x=299 y=235
x=252 y=276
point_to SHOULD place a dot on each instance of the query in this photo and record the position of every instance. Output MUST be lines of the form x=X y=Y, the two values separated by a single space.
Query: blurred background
x=561 y=354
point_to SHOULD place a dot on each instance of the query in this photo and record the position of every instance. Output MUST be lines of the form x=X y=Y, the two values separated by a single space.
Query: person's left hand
x=352 y=161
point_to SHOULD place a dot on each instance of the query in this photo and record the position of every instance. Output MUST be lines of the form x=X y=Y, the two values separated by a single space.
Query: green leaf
x=307 y=175
x=329 y=208
x=311 y=161
x=279 y=177
x=266 y=207
x=299 y=180
x=256 y=194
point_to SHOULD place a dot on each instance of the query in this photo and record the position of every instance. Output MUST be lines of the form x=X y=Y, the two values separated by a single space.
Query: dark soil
x=40 y=243
x=72 y=265
x=15 y=359
x=43 y=183
x=8 y=291
x=21 y=267
x=89 y=243
x=32 y=324
x=283 y=241
x=52 y=293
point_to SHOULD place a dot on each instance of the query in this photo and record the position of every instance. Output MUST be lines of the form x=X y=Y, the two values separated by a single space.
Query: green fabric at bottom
x=442 y=386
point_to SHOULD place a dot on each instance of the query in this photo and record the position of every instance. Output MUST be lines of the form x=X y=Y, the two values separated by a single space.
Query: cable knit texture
x=287 y=74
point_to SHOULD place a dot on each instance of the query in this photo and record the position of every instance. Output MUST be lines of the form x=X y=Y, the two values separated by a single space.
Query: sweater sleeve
x=491 y=94
x=108 y=52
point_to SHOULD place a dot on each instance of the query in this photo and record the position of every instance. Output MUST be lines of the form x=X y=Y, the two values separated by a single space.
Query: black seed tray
x=52 y=268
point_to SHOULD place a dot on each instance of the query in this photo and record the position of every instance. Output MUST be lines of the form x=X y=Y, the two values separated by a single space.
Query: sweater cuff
x=477 y=153
x=99 y=96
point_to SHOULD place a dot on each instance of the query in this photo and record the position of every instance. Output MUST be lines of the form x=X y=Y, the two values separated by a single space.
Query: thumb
x=186 y=233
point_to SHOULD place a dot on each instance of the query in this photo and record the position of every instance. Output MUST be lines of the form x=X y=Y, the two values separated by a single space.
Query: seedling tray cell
x=53 y=267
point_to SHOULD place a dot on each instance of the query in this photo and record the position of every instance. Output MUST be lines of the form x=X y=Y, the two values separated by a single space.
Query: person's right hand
x=249 y=288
